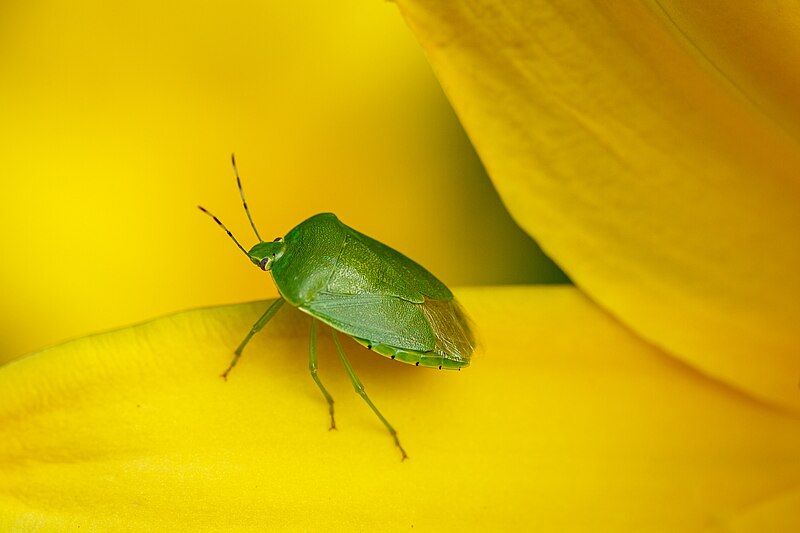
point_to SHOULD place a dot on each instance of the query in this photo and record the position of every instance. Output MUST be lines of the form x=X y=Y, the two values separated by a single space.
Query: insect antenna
x=241 y=193
x=221 y=225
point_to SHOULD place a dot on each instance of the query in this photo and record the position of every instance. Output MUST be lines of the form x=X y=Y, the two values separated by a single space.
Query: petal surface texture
x=565 y=421
x=653 y=154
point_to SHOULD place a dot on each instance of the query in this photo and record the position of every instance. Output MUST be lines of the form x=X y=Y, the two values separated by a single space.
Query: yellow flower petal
x=565 y=421
x=640 y=167
x=753 y=44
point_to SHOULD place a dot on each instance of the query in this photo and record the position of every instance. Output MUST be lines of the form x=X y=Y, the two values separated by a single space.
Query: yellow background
x=583 y=409
x=118 y=119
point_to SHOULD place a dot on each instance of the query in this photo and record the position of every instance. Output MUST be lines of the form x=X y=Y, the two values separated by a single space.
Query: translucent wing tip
x=451 y=329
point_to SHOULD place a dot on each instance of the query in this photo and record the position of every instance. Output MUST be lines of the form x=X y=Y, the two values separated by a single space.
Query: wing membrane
x=453 y=336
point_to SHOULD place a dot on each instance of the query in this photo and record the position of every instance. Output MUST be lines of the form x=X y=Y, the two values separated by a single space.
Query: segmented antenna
x=241 y=193
x=221 y=225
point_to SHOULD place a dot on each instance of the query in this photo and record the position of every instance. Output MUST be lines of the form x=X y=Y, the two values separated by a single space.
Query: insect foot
x=333 y=421
x=232 y=364
x=402 y=451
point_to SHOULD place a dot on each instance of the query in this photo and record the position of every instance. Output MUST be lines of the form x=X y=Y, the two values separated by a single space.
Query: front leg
x=260 y=323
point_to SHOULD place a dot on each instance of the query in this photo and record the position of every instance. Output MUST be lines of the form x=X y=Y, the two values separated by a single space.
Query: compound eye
x=263 y=263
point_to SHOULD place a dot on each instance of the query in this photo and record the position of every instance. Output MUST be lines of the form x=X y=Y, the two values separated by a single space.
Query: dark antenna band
x=221 y=225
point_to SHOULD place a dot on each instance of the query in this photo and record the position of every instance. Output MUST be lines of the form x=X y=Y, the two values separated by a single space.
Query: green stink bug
x=364 y=289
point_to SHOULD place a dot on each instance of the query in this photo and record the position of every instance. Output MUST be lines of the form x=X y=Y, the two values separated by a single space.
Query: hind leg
x=361 y=392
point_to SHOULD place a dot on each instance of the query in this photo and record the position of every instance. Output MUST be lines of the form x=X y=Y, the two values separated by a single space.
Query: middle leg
x=312 y=367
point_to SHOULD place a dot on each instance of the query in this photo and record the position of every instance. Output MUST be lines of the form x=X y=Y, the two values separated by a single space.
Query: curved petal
x=755 y=45
x=565 y=421
x=664 y=191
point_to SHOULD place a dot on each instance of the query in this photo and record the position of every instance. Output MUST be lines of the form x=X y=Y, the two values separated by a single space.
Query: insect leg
x=269 y=313
x=361 y=392
x=312 y=366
